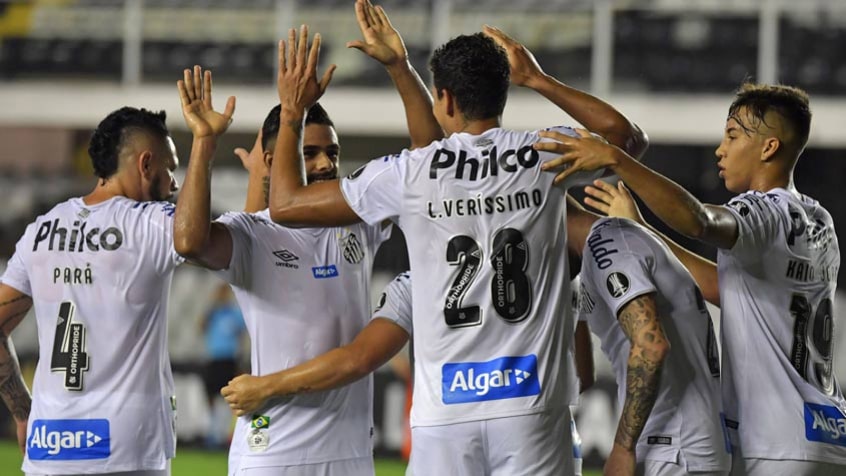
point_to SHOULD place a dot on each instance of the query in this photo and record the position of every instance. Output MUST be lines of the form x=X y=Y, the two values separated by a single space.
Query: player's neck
x=106 y=189
x=766 y=182
x=478 y=126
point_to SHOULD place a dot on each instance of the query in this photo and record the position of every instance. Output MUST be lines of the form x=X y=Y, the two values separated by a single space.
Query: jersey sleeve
x=759 y=220
x=374 y=191
x=16 y=274
x=395 y=302
x=618 y=283
x=240 y=227
x=160 y=217
x=579 y=178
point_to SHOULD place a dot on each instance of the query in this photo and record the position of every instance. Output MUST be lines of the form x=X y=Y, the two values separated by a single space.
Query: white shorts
x=533 y=445
x=346 y=467
x=651 y=467
x=143 y=472
x=784 y=467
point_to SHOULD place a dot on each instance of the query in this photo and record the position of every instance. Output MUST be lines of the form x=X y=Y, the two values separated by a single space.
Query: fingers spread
x=327 y=77
x=281 y=54
x=183 y=93
x=230 y=108
x=207 y=88
x=197 y=82
x=302 y=46
x=313 y=56
x=292 y=48
x=188 y=81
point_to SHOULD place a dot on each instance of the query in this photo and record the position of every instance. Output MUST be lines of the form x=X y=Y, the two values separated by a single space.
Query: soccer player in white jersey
x=651 y=319
x=303 y=291
x=486 y=236
x=774 y=280
x=98 y=269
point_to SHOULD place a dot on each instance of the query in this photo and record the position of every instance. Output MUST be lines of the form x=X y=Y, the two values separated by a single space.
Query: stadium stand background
x=670 y=65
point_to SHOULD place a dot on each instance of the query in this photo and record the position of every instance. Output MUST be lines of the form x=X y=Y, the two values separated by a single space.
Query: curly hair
x=115 y=130
x=475 y=70
x=270 y=127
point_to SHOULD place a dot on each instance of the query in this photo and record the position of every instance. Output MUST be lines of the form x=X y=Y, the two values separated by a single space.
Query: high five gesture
x=297 y=81
x=195 y=92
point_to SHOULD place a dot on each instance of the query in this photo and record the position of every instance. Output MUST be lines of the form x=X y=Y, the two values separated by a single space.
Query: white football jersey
x=99 y=277
x=303 y=292
x=622 y=261
x=395 y=302
x=486 y=235
x=776 y=289
x=572 y=374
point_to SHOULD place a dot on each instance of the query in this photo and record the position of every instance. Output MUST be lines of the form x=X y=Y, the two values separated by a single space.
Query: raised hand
x=381 y=41
x=583 y=153
x=524 y=66
x=195 y=92
x=297 y=82
x=252 y=160
x=244 y=394
x=613 y=201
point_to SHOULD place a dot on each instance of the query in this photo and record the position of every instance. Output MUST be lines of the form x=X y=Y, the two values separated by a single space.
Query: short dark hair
x=270 y=127
x=475 y=70
x=115 y=130
x=789 y=102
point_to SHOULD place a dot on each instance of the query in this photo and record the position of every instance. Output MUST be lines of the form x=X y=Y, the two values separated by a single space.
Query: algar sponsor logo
x=501 y=378
x=825 y=424
x=69 y=440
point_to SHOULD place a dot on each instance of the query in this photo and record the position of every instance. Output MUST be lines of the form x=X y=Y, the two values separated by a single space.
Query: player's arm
x=593 y=113
x=618 y=202
x=194 y=235
x=649 y=347
x=674 y=205
x=383 y=43
x=380 y=340
x=292 y=203
x=258 y=183
x=584 y=356
x=13 y=307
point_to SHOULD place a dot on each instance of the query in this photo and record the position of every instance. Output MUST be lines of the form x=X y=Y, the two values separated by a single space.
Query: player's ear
x=771 y=146
x=449 y=103
x=268 y=159
x=145 y=164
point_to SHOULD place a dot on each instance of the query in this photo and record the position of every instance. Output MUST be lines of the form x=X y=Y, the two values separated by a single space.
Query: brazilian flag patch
x=260 y=421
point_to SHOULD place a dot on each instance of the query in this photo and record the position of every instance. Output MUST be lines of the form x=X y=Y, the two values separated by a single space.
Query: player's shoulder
x=775 y=201
x=612 y=237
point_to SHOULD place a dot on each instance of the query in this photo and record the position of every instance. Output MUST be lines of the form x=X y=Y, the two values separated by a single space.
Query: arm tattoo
x=14 y=300
x=265 y=187
x=295 y=125
x=648 y=345
x=13 y=390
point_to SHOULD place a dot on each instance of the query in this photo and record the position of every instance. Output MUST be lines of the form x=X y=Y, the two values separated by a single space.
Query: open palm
x=381 y=42
x=195 y=92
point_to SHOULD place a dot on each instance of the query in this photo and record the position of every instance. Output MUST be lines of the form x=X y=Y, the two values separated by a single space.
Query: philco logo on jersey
x=69 y=440
x=489 y=164
x=287 y=258
x=352 y=249
x=77 y=238
x=505 y=377
x=825 y=424
x=323 y=272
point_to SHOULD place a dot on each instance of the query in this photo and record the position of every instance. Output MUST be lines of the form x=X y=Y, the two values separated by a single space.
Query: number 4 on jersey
x=69 y=354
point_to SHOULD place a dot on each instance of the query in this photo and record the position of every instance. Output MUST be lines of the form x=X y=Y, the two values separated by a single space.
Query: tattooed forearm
x=265 y=187
x=14 y=300
x=296 y=125
x=648 y=349
x=13 y=390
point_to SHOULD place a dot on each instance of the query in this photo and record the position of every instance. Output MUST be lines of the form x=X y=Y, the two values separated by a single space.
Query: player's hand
x=244 y=394
x=20 y=430
x=613 y=201
x=253 y=161
x=381 y=41
x=583 y=153
x=524 y=66
x=621 y=462
x=297 y=82
x=195 y=92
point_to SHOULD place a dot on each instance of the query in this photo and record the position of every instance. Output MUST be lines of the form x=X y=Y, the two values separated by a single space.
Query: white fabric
x=462 y=217
x=776 y=287
x=622 y=261
x=107 y=268
x=530 y=445
x=346 y=467
x=303 y=292
x=395 y=302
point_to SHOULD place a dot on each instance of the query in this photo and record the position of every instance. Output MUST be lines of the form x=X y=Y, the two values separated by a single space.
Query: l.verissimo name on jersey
x=484 y=205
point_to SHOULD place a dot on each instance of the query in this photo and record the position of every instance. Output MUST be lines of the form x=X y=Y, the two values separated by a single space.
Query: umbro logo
x=287 y=258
